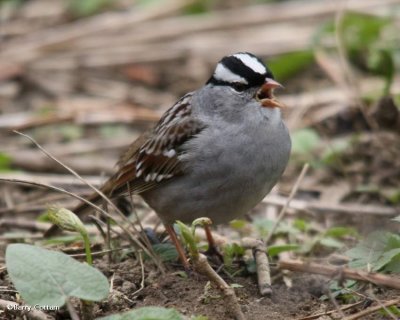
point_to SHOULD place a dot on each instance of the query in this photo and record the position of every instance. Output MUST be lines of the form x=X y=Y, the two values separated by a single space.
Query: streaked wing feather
x=156 y=158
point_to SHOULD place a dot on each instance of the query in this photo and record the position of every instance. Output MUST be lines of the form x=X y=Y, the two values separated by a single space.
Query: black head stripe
x=236 y=66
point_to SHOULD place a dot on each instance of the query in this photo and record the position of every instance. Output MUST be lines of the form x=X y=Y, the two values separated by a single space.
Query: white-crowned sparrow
x=216 y=153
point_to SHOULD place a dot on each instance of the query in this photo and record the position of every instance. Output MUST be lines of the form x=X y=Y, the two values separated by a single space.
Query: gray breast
x=228 y=170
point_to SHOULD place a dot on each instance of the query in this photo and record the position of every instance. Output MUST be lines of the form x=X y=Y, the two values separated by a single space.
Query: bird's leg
x=212 y=247
x=178 y=246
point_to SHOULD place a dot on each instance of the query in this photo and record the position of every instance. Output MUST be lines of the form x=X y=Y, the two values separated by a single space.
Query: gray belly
x=222 y=183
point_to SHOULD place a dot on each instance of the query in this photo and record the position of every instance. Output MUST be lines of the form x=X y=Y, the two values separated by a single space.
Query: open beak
x=266 y=94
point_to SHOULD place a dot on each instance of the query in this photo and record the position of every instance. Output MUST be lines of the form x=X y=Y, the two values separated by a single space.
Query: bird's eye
x=239 y=87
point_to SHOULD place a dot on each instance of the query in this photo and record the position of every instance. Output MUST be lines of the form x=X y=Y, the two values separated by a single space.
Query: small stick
x=148 y=251
x=202 y=266
x=262 y=263
x=361 y=314
x=258 y=246
x=347 y=273
x=327 y=313
x=143 y=276
x=284 y=208
x=71 y=310
x=131 y=237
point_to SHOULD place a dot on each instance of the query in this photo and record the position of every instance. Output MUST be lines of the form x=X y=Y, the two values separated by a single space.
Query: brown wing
x=157 y=157
x=153 y=157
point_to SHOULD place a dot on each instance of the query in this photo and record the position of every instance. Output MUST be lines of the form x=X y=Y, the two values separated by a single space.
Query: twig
x=327 y=313
x=105 y=198
x=106 y=214
x=54 y=179
x=25 y=224
x=202 y=266
x=262 y=263
x=97 y=253
x=71 y=310
x=363 y=313
x=327 y=208
x=347 y=273
x=380 y=303
x=16 y=309
x=283 y=210
x=142 y=272
x=335 y=303
x=148 y=251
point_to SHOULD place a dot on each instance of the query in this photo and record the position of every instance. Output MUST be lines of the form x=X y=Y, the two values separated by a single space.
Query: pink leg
x=178 y=246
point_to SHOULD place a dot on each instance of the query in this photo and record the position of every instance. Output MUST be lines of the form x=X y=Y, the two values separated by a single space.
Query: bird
x=216 y=153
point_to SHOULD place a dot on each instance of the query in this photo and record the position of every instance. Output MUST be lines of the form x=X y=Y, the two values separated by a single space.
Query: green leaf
x=381 y=62
x=387 y=257
x=238 y=224
x=289 y=64
x=394 y=265
x=188 y=238
x=234 y=249
x=166 y=251
x=5 y=162
x=367 y=253
x=334 y=151
x=81 y=8
x=359 y=31
x=393 y=196
x=146 y=313
x=199 y=318
x=198 y=7
x=331 y=242
x=338 y=232
x=301 y=225
x=341 y=290
x=264 y=226
x=304 y=141
x=277 y=249
x=45 y=277
x=230 y=252
x=393 y=311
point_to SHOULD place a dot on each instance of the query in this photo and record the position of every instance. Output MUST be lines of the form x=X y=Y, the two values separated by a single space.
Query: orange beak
x=265 y=94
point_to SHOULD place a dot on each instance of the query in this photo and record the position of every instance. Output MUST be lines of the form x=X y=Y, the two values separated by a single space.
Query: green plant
x=232 y=251
x=45 y=277
x=69 y=221
x=5 y=162
x=166 y=251
x=287 y=65
x=370 y=43
x=379 y=251
x=146 y=313
x=342 y=290
x=82 y=8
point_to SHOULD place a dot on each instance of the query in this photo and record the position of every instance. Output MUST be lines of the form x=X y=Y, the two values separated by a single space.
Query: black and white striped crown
x=240 y=68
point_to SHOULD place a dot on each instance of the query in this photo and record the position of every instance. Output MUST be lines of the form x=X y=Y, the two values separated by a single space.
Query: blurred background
x=86 y=77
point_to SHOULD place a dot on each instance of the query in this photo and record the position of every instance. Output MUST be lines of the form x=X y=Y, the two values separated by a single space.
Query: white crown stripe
x=224 y=74
x=251 y=62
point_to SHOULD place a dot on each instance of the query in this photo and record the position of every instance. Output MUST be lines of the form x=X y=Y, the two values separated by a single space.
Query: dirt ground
x=191 y=295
